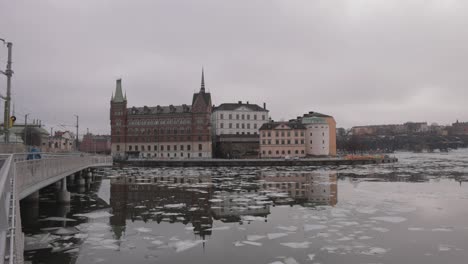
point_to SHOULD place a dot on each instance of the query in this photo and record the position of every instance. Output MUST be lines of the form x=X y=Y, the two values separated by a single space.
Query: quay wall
x=251 y=162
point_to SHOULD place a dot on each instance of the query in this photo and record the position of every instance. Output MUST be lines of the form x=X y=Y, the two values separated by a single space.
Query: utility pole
x=8 y=72
x=77 y=125
x=25 y=129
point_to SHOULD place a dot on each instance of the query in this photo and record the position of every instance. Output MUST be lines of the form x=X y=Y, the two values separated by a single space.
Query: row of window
x=242 y=116
x=161 y=148
x=149 y=131
x=243 y=126
x=181 y=155
x=283 y=133
x=159 y=138
x=146 y=122
x=286 y=134
x=282 y=142
x=283 y=152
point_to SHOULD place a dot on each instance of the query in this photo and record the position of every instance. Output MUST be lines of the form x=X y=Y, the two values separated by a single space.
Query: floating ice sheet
x=390 y=219
x=95 y=215
x=276 y=235
x=254 y=237
x=185 y=244
x=304 y=244
x=288 y=228
x=143 y=229
x=308 y=227
x=258 y=244
x=61 y=219
x=220 y=228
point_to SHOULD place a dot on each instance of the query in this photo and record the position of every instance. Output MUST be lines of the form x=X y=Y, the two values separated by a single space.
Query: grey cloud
x=363 y=62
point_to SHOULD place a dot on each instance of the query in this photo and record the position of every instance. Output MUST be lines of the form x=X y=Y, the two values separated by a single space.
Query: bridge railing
x=11 y=236
x=32 y=172
x=19 y=174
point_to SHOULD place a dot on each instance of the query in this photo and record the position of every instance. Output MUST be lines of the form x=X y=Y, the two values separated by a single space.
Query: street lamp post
x=77 y=124
x=8 y=73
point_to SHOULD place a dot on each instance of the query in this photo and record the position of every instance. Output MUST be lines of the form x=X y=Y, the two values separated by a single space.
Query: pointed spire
x=202 y=89
x=118 y=98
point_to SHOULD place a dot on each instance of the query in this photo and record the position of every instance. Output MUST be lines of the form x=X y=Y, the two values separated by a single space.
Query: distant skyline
x=364 y=62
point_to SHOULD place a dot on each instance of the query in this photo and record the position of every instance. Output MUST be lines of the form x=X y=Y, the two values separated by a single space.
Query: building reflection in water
x=307 y=188
x=183 y=199
x=201 y=199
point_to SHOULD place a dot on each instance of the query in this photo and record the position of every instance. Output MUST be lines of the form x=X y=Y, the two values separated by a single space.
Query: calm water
x=415 y=211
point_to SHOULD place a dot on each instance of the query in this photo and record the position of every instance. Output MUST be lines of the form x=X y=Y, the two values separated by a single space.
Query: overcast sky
x=364 y=62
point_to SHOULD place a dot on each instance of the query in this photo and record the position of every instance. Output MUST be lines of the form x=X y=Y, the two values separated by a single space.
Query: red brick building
x=96 y=144
x=173 y=131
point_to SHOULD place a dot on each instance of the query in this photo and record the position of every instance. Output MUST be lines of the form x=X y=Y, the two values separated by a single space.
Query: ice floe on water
x=290 y=260
x=304 y=244
x=185 y=244
x=288 y=228
x=255 y=237
x=308 y=227
x=381 y=229
x=258 y=244
x=60 y=219
x=219 y=228
x=442 y=229
x=95 y=215
x=143 y=229
x=390 y=219
x=276 y=235
x=175 y=206
x=374 y=251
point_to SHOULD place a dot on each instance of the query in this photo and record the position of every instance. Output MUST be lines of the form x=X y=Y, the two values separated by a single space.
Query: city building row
x=415 y=128
x=204 y=130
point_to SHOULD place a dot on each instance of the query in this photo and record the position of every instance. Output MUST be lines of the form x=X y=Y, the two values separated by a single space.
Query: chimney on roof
x=240 y=102
x=264 y=105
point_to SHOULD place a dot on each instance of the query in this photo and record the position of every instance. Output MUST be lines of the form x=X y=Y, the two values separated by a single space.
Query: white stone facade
x=243 y=119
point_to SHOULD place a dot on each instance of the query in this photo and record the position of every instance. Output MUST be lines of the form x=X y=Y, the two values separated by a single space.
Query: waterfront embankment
x=254 y=162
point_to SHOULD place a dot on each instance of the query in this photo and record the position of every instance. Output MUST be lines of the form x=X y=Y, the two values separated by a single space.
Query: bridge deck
x=19 y=178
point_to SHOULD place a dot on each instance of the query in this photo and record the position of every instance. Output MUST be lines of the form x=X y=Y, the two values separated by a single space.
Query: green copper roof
x=118 y=98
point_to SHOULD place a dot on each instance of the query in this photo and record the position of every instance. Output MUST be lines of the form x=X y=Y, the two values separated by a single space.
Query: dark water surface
x=414 y=211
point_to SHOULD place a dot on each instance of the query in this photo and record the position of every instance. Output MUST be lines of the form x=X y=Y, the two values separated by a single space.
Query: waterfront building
x=313 y=134
x=235 y=129
x=173 y=131
x=96 y=144
x=320 y=134
x=459 y=129
x=61 y=141
x=238 y=118
x=282 y=139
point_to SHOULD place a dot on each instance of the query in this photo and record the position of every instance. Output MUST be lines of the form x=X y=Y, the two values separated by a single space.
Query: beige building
x=61 y=141
x=282 y=139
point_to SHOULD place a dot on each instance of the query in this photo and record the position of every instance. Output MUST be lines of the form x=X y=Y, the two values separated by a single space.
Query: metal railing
x=18 y=178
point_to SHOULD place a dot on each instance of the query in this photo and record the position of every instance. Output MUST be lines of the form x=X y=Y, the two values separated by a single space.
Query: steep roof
x=233 y=106
x=275 y=125
x=159 y=110
x=118 y=97
x=315 y=114
x=206 y=97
